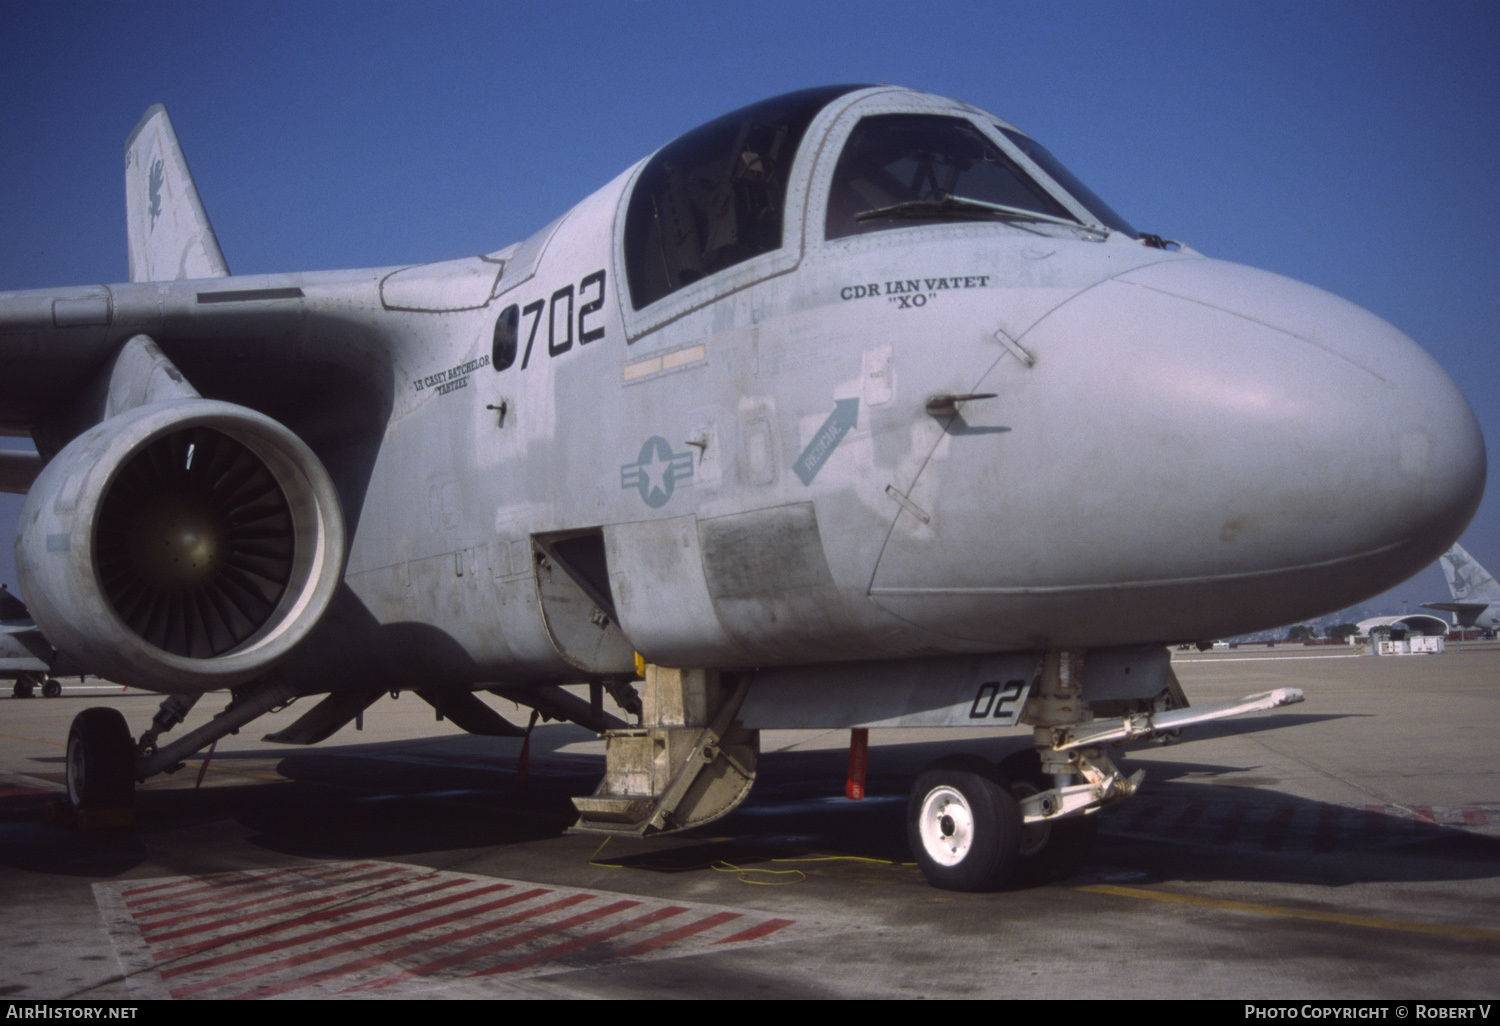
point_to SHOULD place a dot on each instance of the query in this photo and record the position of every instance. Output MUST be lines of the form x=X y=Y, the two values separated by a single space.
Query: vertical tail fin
x=1468 y=581
x=11 y=607
x=168 y=230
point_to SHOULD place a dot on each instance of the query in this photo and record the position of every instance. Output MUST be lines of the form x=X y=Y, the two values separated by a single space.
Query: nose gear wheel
x=963 y=826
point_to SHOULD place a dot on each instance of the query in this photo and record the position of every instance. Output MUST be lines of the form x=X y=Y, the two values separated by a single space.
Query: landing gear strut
x=975 y=826
x=1050 y=850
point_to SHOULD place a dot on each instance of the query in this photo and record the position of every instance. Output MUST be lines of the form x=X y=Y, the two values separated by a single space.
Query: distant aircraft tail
x=169 y=234
x=1475 y=592
x=11 y=607
x=1467 y=580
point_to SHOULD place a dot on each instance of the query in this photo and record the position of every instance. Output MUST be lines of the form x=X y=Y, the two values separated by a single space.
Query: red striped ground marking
x=366 y=927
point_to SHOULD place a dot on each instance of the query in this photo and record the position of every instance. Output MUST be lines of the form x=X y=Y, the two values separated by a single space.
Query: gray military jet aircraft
x=852 y=408
x=1476 y=595
x=25 y=656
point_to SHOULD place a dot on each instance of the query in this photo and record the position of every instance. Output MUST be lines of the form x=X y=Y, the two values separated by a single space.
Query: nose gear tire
x=963 y=825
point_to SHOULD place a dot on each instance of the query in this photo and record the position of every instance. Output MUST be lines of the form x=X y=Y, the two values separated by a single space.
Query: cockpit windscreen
x=900 y=168
x=1062 y=176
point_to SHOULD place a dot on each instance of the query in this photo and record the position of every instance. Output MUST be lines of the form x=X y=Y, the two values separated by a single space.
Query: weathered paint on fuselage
x=773 y=489
x=724 y=554
x=1163 y=447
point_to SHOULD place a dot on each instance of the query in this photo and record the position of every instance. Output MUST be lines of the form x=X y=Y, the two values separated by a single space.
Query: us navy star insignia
x=656 y=472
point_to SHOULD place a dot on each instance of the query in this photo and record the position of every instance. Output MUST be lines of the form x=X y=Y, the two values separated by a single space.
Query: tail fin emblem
x=154 y=189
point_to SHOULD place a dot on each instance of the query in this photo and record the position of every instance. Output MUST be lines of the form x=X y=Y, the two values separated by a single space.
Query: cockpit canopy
x=715 y=197
x=718 y=196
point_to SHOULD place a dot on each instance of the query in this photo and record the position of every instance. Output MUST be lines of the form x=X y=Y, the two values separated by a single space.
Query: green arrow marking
x=845 y=414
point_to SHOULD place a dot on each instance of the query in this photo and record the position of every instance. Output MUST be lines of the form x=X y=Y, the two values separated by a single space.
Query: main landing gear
x=27 y=683
x=101 y=768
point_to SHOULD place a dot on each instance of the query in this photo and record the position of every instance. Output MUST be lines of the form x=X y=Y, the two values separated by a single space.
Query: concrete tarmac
x=1344 y=848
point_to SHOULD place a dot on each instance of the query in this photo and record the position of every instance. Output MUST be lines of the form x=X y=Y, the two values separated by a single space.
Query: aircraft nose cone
x=1199 y=450
x=1361 y=438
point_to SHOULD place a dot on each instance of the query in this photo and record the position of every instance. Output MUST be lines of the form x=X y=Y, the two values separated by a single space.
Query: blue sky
x=1350 y=145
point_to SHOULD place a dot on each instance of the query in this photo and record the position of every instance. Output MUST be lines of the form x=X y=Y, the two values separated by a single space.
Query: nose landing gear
x=1051 y=849
x=976 y=826
x=963 y=826
x=970 y=831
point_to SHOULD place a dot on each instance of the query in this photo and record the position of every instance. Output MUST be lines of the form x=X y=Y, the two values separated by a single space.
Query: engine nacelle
x=181 y=546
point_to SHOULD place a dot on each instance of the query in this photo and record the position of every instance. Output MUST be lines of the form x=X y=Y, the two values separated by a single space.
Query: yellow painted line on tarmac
x=33 y=740
x=213 y=770
x=1343 y=918
x=1226 y=660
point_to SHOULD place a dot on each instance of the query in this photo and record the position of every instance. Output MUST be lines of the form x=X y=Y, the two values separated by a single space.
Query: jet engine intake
x=181 y=546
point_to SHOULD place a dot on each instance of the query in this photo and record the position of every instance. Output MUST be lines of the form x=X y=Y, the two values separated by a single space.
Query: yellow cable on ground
x=730 y=867
x=845 y=858
x=603 y=865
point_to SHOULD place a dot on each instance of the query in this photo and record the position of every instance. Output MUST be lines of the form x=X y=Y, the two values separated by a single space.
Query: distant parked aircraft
x=1476 y=595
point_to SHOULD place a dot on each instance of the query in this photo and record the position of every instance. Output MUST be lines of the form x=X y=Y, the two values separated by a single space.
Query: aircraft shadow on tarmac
x=405 y=798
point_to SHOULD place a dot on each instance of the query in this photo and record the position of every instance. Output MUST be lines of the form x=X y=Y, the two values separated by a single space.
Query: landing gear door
x=572 y=581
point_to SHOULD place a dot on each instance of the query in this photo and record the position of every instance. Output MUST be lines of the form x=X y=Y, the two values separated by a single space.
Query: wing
x=177 y=404
x=55 y=343
x=22 y=646
x=1468 y=612
x=237 y=339
x=18 y=470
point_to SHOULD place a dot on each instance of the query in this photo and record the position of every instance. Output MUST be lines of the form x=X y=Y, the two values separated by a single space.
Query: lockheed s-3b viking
x=849 y=409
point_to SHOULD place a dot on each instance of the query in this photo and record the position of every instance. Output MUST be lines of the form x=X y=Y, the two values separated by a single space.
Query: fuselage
x=913 y=433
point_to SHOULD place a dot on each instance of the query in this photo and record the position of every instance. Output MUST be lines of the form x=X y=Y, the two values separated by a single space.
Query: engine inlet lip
x=312 y=502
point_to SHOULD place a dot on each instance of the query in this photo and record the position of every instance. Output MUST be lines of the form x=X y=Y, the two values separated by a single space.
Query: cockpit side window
x=897 y=169
x=716 y=196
